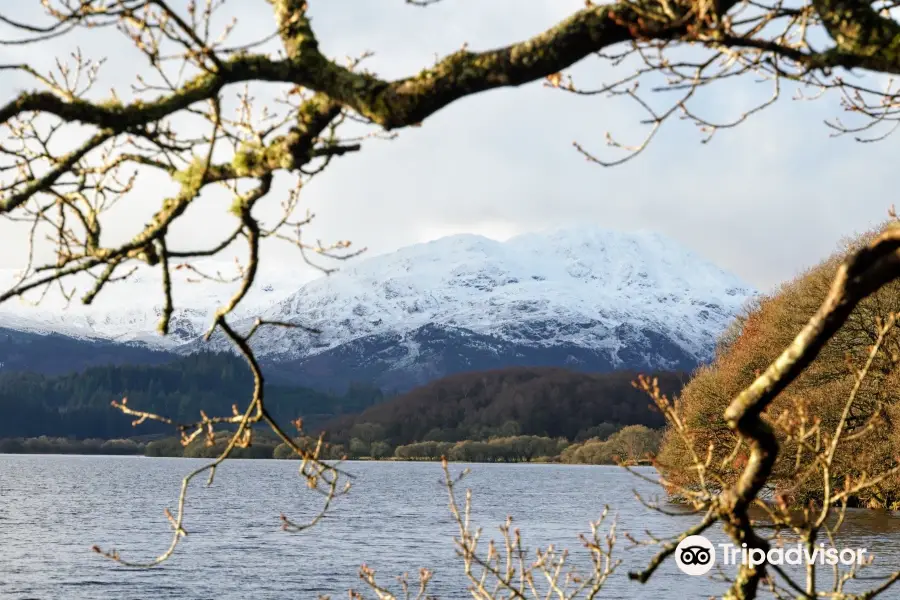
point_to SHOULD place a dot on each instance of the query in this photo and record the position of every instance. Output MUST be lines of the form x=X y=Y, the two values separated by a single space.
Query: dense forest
x=78 y=404
x=546 y=402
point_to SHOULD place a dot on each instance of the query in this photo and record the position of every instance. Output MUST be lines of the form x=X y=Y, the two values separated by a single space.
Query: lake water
x=54 y=508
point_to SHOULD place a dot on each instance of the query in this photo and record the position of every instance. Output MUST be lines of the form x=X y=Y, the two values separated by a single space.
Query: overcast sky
x=763 y=200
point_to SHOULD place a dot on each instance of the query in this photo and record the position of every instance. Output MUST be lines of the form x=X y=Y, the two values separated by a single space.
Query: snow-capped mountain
x=586 y=298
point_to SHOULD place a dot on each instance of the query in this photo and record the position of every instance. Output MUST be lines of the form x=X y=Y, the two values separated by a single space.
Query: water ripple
x=54 y=508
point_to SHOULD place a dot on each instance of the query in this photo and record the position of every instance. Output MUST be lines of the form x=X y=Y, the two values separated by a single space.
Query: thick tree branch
x=390 y=104
x=861 y=35
x=863 y=38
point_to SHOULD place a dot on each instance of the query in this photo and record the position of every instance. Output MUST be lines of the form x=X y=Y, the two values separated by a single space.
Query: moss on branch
x=868 y=39
x=392 y=104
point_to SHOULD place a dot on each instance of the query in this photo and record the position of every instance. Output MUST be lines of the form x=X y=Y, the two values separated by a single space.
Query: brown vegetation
x=733 y=471
x=818 y=394
x=630 y=445
x=537 y=401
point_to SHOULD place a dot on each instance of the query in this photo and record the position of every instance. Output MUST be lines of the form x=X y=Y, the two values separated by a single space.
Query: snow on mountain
x=583 y=298
x=629 y=297
x=129 y=311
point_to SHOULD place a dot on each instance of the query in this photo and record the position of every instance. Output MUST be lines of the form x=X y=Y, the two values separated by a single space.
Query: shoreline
x=540 y=461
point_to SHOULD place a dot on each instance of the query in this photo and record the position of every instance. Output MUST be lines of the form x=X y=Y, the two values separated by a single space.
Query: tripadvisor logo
x=696 y=555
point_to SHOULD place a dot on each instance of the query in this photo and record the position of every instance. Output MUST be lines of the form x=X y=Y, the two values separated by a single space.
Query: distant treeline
x=78 y=405
x=263 y=446
x=631 y=443
x=171 y=446
x=57 y=445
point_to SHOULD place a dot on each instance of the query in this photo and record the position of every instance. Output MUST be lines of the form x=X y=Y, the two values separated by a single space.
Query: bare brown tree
x=69 y=155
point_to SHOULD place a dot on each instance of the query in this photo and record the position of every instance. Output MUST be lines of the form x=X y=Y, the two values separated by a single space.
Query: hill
x=812 y=405
x=549 y=402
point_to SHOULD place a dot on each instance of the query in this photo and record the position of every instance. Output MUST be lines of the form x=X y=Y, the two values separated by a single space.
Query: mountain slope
x=587 y=299
x=52 y=353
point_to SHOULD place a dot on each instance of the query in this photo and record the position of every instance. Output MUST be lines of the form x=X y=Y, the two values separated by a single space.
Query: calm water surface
x=54 y=508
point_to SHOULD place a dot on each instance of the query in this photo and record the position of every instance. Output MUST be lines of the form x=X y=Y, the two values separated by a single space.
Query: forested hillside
x=478 y=405
x=518 y=401
x=818 y=399
x=78 y=404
